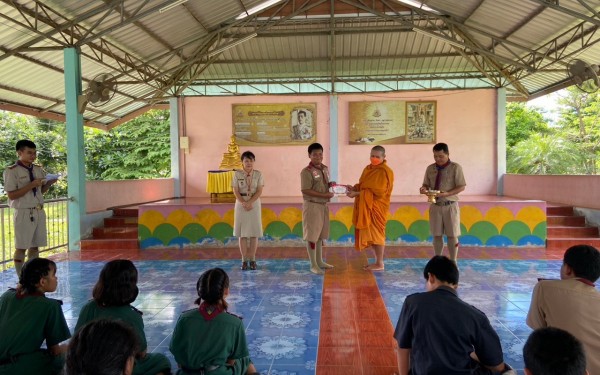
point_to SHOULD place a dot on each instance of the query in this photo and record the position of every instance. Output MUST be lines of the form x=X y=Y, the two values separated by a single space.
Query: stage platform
x=490 y=221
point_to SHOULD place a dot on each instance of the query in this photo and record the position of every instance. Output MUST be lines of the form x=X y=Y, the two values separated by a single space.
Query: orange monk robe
x=371 y=207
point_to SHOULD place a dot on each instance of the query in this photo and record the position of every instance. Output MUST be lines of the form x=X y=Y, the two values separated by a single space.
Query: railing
x=56 y=227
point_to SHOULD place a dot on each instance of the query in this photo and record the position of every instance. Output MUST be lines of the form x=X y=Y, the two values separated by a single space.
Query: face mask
x=376 y=161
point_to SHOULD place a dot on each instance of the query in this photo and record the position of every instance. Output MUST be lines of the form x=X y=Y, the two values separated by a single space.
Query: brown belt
x=323 y=203
x=445 y=203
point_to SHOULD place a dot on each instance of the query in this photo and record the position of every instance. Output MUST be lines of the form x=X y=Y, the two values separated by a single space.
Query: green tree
x=523 y=121
x=580 y=116
x=137 y=149
x=545 y=154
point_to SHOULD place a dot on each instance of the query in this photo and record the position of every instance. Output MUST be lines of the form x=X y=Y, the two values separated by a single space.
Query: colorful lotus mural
x=497 y=226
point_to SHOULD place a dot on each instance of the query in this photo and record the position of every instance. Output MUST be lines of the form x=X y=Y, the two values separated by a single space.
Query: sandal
x=244 y=266
x=253 y=265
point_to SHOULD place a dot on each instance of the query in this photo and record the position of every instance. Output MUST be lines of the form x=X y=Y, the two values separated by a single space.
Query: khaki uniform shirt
x=573 y=306
x=312 y=178
x=452 y=176
x=15 y=177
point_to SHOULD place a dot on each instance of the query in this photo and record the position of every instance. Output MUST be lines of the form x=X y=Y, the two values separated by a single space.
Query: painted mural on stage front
x=212 y=225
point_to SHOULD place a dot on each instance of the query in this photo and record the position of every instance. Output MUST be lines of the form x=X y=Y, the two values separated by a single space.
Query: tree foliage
x=138 y=149
x=522 y=122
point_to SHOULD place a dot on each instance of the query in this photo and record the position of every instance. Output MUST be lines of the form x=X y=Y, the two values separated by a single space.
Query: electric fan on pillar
x=584 y=75
x=98 y=92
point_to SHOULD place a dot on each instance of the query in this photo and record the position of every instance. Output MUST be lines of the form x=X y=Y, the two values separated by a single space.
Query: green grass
x=56 y=226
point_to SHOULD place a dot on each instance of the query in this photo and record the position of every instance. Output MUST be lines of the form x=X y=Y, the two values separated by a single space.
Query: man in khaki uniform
x=444 y=216
x=25 y=183
x=314 y=180
x=573 y=302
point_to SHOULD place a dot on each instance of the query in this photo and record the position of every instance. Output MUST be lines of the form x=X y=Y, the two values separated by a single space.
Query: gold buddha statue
x=231 y=158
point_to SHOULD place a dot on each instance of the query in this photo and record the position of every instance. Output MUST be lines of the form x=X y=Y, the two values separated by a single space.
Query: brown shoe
x=244 y=266
x=253 y=265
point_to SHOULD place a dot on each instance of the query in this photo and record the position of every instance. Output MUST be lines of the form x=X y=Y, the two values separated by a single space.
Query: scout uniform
x=203 y=344
x=29 y=216
x=152 y=363
x=25 y=322
x=315 y=213
x=444 y=215
x=247 y=223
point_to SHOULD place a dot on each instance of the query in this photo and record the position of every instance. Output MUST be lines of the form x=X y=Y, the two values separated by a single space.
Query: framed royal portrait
x=420 y=122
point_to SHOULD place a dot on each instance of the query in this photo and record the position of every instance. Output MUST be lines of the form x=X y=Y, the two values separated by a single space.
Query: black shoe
x=253 y=265
x=244 y=266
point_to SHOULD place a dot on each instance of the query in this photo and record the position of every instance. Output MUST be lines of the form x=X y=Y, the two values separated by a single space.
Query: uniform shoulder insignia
x=195 y=309
x=12 y=289
x=136 y=310
x=60 y=302
x=237 y=316
x=12 y=166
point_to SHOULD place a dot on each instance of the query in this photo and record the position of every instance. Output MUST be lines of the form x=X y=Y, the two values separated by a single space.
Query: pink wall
x=100 y=195
x=578 y=191
x=466 y=120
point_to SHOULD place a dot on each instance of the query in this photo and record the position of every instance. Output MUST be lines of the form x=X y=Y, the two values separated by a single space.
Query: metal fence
x=57 y=228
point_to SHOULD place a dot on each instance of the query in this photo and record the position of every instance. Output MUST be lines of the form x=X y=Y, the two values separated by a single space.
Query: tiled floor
x=300 y=323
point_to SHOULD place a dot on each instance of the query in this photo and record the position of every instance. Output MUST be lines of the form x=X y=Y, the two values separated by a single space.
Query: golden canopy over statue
x=231 y=158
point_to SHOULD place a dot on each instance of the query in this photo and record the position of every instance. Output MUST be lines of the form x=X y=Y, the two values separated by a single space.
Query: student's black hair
x=441 y=147
x=249 y=155
x=442 y=268
x=101 y=347
x=211 y=287
x=117 y=284
x=314 y=146
x=584 y=260
x=33 y=270
x=379 y=148
x=24 y=143
x=552 y=351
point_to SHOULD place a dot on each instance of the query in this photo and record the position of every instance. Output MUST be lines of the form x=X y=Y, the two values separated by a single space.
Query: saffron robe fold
x=371 y=207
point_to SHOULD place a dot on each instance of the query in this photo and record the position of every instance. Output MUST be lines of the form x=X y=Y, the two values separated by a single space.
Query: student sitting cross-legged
x=28 y=318
x=115 y=290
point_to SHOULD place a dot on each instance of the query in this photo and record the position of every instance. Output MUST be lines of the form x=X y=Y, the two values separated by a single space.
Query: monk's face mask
x=376 y=161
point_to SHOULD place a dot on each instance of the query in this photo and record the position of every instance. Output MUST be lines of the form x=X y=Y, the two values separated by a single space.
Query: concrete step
x=109 y=244
x=576 y=232
x=566 y=221
x=125 y=212
x=118 y=221
x=115 y=232
x=565 y=243
x=559 y=211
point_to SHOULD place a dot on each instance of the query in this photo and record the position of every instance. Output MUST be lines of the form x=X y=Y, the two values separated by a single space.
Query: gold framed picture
x=420 y=122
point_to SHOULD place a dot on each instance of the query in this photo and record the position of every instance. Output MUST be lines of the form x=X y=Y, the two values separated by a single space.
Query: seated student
x=28 y=318
x=438 y=333
x=102 y=347
x=222 y=349
x=115 y=290
x=552 y=351
x=573 y=302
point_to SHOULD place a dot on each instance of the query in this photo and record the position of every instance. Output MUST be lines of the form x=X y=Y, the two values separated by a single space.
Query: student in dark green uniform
x=209 y=340
x=102 y=347
x=115 y=290
x=28 y=318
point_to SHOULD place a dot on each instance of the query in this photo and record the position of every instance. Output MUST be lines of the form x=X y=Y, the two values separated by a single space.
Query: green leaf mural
x=419 y=229
x=193 y=232
x=541 y=230
x=483 y=230
x=515 y=230
x=143 y=232
x=165 y=233
x=277 y=229
x=298 y=229
x=337 y=229
x=221 y=231
x=394 y=229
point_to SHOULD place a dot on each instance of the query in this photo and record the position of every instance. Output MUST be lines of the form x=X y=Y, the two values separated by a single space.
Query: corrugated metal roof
x=374 y=46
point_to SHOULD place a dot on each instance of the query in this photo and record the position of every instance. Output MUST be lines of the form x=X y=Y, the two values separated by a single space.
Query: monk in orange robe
x=371 y=206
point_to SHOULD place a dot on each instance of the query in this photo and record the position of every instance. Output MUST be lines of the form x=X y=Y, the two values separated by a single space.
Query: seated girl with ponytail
x=115 y=290
x=28 y=318
x=209 y=340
